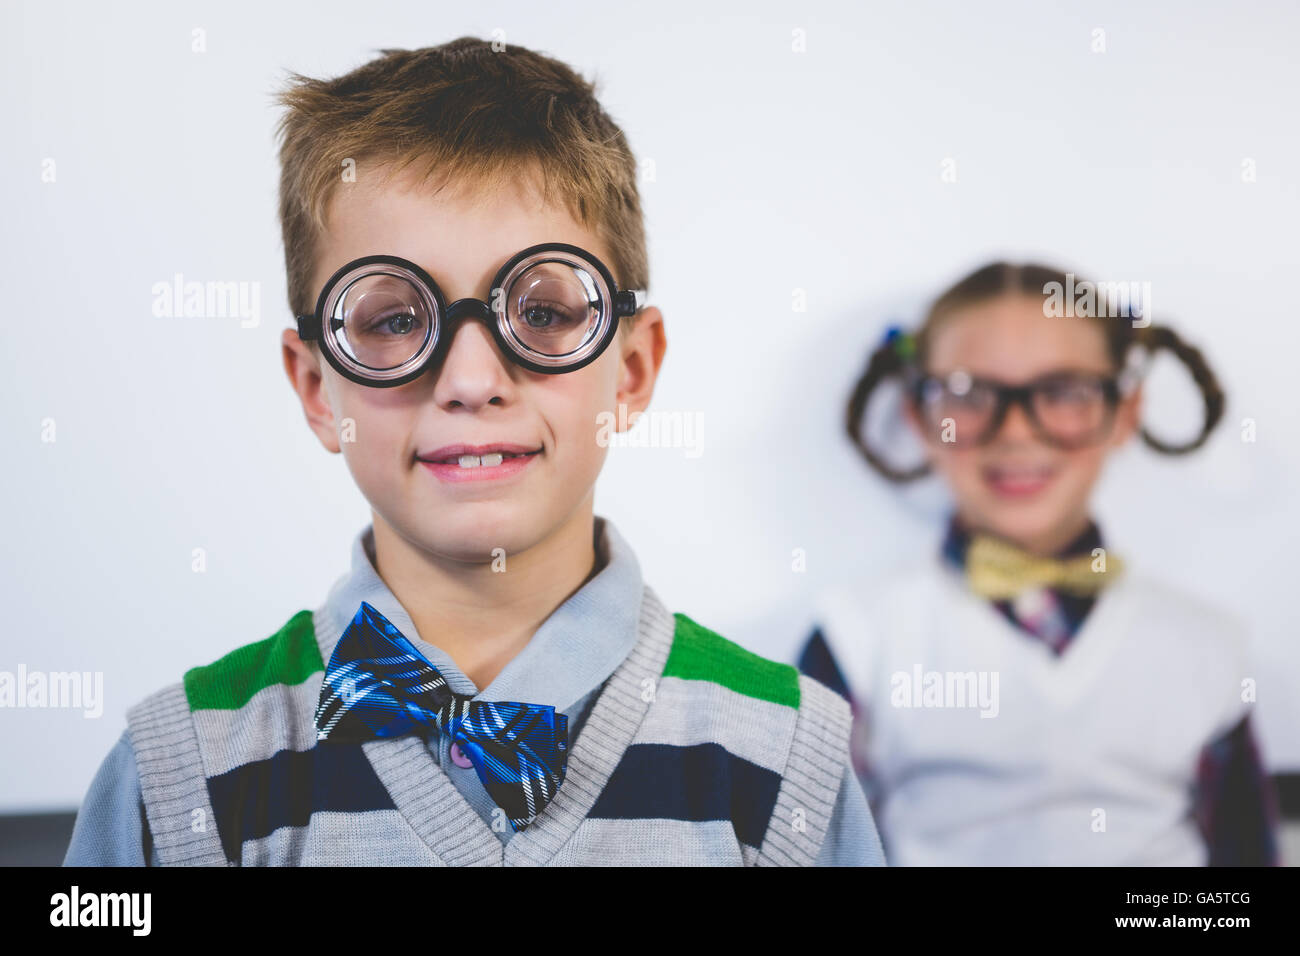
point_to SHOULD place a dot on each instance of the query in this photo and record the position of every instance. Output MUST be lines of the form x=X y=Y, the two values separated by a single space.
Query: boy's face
x=1019 y=486
x=475 y=396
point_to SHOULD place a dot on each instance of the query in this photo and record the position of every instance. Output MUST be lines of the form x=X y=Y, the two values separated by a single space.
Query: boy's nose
x=473 y=372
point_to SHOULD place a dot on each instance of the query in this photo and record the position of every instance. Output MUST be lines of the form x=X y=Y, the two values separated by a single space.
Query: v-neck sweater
x=692 y=750
x=1090 y=757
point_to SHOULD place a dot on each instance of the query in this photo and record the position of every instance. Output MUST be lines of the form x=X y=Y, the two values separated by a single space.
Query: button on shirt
x=565 y=665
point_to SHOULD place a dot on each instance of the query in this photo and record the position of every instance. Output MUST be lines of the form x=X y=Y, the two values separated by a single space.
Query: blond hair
x=466 y=112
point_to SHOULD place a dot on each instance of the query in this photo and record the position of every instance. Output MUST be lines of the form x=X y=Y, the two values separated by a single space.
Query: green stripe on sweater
x=700 y=654
x=289 y=656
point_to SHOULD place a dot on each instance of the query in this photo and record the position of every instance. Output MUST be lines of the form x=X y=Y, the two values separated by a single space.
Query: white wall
x=773 y=171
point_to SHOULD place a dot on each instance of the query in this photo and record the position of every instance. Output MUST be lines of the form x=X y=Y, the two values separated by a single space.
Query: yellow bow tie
x=999 y=570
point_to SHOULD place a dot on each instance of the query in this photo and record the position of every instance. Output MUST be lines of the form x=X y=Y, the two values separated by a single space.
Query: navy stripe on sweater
x=697 y=783
x=255 y=799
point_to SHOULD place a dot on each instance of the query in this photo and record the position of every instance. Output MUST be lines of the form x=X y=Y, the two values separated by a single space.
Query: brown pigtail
x=885 y=362
x=1157 y=337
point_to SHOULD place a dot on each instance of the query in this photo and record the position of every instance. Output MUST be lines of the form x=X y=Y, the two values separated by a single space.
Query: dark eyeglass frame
x=1113 y=389
x=445 y=317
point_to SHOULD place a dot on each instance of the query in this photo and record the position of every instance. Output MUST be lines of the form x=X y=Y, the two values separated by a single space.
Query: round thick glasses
x=382 y=320
x=1065 y=409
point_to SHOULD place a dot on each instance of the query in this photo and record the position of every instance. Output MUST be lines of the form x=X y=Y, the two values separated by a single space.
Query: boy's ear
x=642 y=355
x=303 y=368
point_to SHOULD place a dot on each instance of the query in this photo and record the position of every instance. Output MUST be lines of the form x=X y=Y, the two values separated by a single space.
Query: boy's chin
x=480 y=536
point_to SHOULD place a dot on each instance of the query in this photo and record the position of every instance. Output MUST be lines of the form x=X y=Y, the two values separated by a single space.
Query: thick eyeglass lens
x=1071 y=409
x=381 y=321
x=553 y=307
x=958 y=407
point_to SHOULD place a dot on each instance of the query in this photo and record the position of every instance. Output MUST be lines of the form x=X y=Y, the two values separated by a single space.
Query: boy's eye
x=399 y=323
x=545 y=316
x=551 y=327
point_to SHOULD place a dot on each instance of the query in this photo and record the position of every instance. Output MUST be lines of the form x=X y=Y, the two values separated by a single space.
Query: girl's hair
x=894 y=356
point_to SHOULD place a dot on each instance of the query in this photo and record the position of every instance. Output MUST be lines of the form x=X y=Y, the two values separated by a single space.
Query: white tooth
x=492 y=459
x=469 y=461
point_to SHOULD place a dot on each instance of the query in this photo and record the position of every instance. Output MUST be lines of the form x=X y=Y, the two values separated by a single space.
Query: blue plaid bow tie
x=378 y=685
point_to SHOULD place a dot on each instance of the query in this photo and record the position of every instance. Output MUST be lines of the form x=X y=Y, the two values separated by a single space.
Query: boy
x=492 y=683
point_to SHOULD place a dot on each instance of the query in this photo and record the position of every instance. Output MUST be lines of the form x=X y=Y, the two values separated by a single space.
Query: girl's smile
x=1017 y=481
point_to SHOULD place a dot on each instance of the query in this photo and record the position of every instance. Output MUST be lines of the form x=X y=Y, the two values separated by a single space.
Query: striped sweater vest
x=696 y=751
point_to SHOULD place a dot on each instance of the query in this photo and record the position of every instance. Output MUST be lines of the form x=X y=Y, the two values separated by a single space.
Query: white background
x=773 y=170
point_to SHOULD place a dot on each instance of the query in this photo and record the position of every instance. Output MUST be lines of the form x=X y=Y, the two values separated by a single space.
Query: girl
x=1025 y=697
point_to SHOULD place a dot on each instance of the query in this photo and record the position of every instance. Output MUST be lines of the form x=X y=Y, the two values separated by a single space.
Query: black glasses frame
x=958 y=382
x=445 y=318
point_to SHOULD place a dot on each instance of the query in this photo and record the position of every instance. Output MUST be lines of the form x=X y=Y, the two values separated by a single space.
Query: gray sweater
x=568 y=663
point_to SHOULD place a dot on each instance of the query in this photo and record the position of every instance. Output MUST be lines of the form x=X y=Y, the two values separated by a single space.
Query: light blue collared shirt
x=565 y=665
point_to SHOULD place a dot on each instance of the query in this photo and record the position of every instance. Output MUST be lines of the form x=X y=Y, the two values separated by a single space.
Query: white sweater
x=1086 y=759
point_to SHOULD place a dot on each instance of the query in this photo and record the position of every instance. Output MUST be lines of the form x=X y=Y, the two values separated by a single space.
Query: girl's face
x=1018 y=486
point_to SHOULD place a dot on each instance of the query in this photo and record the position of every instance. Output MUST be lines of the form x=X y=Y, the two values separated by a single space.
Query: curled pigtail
x=891 y=359
x=1156 y=337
